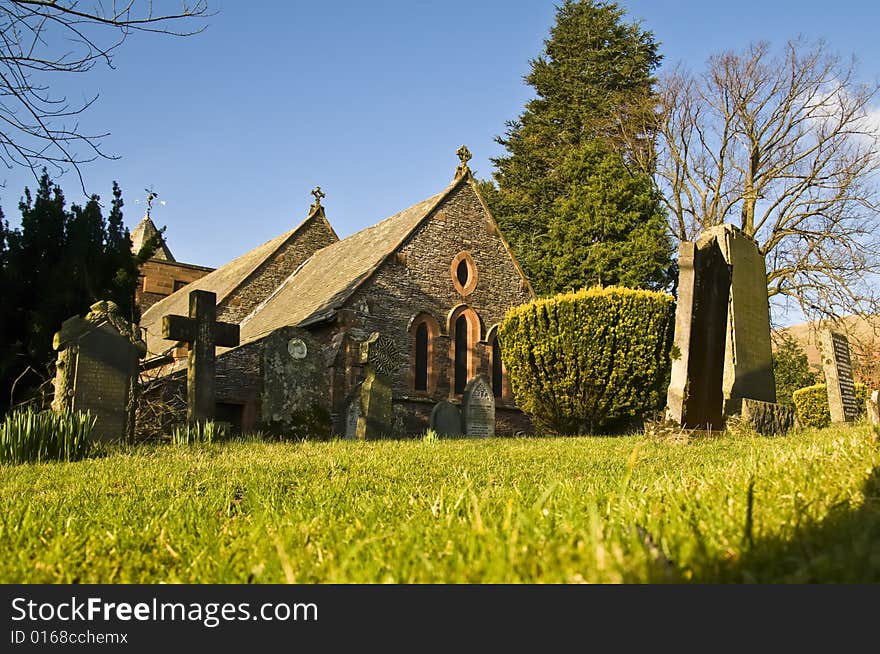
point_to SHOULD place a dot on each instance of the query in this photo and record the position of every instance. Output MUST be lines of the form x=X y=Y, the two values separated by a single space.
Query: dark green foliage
x=791 y=370
x=596 y=359
x=27 y=435
x=58 y=263
x=566 y=170
x=811 y=404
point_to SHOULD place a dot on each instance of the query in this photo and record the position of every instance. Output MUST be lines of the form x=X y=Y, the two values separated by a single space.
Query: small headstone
x=768 y=418
x=478 y=409
x=97 y=369
x=874 y=408
x=839 y=382
x=446 y=419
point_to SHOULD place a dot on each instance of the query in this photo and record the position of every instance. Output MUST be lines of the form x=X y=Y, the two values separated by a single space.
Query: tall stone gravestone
x=695 y=396
x=478 y=408
x=839 y=382
x=722 y=332
x=446 y=419
x=96 y=370
x=380 y=358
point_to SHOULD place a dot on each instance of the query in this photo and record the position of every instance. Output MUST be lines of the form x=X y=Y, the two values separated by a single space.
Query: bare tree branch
x=784 y=148
x=39 y=38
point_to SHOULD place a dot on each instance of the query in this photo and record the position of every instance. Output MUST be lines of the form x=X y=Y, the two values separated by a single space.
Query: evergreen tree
x=56 y=265
x=594 y=89
x=791 y=370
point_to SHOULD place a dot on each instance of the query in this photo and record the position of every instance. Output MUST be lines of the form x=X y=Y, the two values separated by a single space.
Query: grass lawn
x=804 y=508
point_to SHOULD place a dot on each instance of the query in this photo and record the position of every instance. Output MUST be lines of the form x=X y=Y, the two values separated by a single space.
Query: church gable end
x=314 y=234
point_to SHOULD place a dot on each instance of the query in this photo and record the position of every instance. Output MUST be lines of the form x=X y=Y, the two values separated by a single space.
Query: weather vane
x=151 y=194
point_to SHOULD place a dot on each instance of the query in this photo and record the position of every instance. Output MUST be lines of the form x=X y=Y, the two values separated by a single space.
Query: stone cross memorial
x=203 y=334
x=478 y=407
x=839 y=383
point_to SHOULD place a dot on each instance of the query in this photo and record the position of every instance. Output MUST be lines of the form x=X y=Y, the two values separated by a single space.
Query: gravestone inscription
x=839 y=383
x=478 y=408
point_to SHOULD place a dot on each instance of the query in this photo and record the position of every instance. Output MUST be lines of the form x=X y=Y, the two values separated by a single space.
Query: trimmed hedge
x=811 y=404
x=590 y=360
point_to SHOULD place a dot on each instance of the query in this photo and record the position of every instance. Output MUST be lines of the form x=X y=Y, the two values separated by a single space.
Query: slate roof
x=328 y=278
x=222 y=281
x=146 y=229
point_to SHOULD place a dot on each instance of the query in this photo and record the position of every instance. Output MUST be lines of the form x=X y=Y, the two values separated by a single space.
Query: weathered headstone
x=446 y=419
x=836 y=363
x=695 y=396
x=380 y=357
x=352 y=414
x=203 y=334
x=767 y=418
x=478 y=408
x=748 y=359
x=873 y=408
x=295 y=393
x=722 y=331
x=96 y=369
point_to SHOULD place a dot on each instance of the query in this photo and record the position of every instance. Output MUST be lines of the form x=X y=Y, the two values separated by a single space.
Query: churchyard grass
x=742 y=508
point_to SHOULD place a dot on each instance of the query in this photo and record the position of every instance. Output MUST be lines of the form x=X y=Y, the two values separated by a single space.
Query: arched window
x=464 y=331
x=420 y=380
x=497 y=372
x=423 y=329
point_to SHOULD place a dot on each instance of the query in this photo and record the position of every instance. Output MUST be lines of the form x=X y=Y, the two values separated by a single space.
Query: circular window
x=464 y=273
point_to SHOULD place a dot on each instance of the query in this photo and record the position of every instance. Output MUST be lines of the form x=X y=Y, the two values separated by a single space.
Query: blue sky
x=369 y=100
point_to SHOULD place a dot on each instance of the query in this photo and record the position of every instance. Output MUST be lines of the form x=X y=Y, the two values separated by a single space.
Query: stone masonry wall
x=157 y=280
x=312 y=236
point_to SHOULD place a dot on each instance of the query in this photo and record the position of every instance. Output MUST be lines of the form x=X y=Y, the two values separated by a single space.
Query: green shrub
x=198 y=432
x=590 y=360
x=791 y=370
x=27 y=435
x=811 y=404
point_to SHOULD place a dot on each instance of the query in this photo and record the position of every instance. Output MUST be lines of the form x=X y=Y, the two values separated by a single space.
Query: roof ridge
x=317 y=211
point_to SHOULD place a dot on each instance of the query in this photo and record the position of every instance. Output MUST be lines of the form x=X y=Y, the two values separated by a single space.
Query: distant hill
x=864 y=338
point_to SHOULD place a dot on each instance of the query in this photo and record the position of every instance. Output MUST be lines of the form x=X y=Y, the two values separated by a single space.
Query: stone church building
x=433 y=280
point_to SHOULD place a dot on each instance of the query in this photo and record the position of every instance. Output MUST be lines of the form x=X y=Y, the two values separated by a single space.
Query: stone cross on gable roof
x=318 y=193
x=464 y=155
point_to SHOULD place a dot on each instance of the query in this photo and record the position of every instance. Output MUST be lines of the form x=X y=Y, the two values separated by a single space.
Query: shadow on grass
x=844 y=547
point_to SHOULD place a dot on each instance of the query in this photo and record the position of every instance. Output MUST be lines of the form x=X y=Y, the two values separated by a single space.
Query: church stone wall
x=418 y=279
x=159 y=279
x=313 y=236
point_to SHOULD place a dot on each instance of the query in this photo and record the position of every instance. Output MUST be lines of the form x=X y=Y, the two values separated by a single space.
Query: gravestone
x=96 y=370
x=352 y=413
x=203 y=333
x=295 y=392
x=748 y=358
x=767 y=418
x=722 y=352
x=381 y=358
x=873 y=408
x=836 y=363
x=446 y=419
x=695 y=396
x=478 y=408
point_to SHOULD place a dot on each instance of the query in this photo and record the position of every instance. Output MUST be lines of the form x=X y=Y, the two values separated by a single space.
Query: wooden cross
x=203 y=333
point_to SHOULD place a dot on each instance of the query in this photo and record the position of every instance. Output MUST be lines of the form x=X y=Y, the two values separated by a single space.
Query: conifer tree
x=568 y=153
